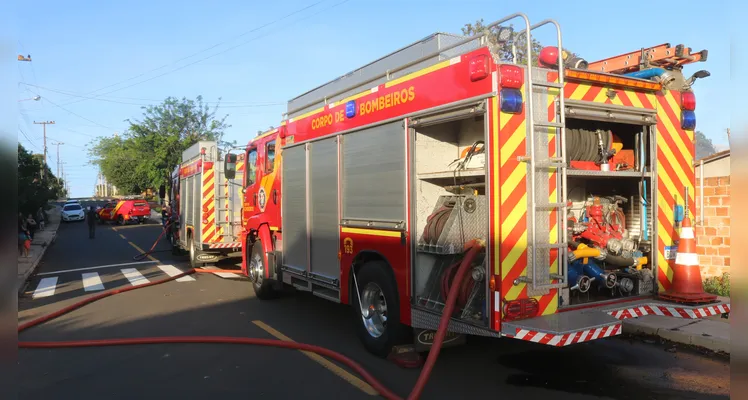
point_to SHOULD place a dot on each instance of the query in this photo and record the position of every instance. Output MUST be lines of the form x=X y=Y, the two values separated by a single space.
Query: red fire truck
x=573 y=176
x=205 y=205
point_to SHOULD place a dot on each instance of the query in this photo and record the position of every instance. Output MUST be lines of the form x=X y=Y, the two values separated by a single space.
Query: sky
x=95 y=64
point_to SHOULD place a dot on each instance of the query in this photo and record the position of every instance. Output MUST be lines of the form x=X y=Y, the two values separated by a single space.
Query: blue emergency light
x=511 y=101
x=688 y=120
x=350 y=109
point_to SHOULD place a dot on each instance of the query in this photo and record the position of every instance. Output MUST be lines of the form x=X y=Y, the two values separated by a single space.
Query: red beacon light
x=688 y=101
x=511 y=76
x=548 y=56
x=202 y=150
x=479 y=67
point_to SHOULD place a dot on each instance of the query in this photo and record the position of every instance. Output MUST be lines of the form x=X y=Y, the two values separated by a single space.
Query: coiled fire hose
x=472 y=248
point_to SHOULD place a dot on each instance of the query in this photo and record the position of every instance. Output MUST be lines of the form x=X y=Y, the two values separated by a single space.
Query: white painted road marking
x=223 y=274
x=46 y=288
x=92 y=282
x=134 y=276
x=174 y=271
x=97 y=267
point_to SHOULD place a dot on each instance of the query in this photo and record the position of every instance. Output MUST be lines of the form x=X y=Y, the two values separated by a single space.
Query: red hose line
x=473 y=247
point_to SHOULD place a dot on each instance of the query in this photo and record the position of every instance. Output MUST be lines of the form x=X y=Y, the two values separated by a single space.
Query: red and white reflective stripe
x=224 y=245
x=677 y=312
x=585 y=335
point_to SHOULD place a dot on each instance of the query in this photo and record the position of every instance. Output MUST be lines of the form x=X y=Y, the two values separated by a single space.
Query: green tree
x=704 y=145
x=146 y=154
x=35 y=189
x=505 y=48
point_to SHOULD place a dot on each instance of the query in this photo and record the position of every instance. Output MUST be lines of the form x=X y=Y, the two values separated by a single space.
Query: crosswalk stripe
x=46 y=287
x=226 y=274
x=174 y=271
x=92 y=282
x=134 y=276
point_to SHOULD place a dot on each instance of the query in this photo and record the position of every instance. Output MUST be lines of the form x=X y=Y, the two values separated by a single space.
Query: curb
x=674 y=334
x=37 y=261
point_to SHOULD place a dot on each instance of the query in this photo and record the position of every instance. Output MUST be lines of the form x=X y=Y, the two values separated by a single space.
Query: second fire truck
x=570 y=177
x=205 y=206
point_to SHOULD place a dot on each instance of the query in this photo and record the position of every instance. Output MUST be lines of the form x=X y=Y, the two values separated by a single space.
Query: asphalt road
x=207 y=304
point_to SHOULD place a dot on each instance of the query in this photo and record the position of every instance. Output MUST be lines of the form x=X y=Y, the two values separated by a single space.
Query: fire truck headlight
x=511 y=101
x=688 y=120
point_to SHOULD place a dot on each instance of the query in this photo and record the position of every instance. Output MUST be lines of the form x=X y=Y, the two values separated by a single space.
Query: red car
x=124 y=211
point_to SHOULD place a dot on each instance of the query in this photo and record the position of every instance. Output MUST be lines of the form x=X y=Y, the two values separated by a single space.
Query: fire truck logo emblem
x=261 y=198
x=348 y=245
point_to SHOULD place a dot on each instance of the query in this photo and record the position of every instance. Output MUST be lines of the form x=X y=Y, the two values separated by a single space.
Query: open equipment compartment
x=609 y=192
x=450 y=208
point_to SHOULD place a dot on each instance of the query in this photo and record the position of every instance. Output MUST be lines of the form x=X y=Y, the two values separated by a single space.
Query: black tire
x=263 y=288
x=120 y=220
x=379 y=343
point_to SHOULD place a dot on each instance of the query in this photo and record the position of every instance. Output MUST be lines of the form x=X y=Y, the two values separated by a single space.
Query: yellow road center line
x=150 y=257
x=332 y=367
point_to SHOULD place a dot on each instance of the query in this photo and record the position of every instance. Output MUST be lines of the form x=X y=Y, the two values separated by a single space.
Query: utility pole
x=44 y=167
x=58 y=156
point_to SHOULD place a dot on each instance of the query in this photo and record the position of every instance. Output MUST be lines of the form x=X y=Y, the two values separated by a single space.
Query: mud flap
x=564 y=328
x=424 y=338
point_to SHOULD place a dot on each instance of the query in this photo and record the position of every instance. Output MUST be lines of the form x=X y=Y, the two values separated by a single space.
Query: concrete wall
x=713 y=233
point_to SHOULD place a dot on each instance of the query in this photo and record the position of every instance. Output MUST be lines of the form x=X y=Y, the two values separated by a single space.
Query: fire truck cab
x=574 y=180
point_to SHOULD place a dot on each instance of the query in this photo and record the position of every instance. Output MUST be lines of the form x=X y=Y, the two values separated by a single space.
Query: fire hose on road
x=472 y=247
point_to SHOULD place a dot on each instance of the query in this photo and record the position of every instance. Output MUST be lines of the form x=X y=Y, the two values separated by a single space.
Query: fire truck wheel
x=381 y=328
x=120 y=220
x=264 y=289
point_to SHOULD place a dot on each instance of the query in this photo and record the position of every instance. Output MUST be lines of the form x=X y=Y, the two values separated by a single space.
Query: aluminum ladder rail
x=541 y=277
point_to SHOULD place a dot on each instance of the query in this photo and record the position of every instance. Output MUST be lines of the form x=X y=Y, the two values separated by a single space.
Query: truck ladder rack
x=539 y=276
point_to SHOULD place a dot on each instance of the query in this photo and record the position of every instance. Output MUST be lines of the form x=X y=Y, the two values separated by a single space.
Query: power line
x=234 y=104
x=77 y=115
x=192 y=55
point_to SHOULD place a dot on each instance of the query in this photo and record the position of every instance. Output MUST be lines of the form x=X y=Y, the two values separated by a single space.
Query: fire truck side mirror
x=229 y=166
x=162 y=191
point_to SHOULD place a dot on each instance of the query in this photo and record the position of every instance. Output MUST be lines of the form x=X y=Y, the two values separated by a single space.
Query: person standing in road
x=91 y=219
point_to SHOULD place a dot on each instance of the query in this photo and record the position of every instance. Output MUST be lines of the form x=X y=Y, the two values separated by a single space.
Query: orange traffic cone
x=687 y=285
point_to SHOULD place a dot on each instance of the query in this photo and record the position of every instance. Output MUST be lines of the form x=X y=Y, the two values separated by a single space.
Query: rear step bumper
x=583 y=325
x=563 y=329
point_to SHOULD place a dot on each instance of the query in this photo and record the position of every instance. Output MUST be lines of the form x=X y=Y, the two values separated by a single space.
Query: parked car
x=124 y=211
x=73 y=212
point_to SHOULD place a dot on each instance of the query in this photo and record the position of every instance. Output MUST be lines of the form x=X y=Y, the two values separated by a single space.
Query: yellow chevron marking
x=512 y=219
x=580 y=91
x=514 y=141
x=514 y=254
x=511 y=183
x=680 y=174
x=672 y=132
x=670 y=99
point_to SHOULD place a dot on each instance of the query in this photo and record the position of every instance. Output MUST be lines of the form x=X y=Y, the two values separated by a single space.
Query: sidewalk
x=42 y=240
x=712 y=333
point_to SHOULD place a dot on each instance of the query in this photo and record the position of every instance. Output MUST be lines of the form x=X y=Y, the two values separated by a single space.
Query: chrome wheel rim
x=374 y=310
x=255 y=269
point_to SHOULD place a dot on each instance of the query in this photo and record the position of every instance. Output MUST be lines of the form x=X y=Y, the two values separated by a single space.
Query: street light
x=35 y=98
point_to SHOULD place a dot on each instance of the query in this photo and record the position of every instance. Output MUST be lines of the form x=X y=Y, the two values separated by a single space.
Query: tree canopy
x=704 y=145
x=505 y=49
x=35 y=189
x=146 y=154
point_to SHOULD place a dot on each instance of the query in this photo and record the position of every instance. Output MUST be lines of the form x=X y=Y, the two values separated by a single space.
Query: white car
x=73 y=212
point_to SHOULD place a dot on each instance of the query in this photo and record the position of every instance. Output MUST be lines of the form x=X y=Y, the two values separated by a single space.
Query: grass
x=719 y=285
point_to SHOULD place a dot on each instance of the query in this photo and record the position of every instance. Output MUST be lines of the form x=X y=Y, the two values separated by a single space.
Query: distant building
x=713 y=223
x=104 y=188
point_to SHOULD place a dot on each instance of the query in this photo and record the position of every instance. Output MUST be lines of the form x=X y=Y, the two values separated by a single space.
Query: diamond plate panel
x=426 y=320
